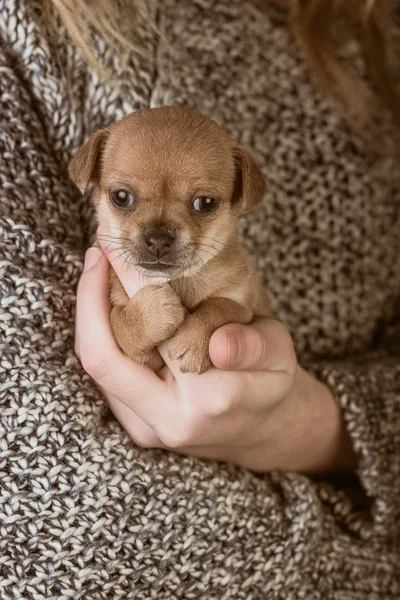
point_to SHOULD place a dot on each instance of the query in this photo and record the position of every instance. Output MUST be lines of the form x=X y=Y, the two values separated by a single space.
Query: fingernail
x=234 y=349
x=91 y=258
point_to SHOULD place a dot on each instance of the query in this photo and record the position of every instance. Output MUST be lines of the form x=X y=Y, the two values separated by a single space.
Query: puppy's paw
x=190 y=344
x=161 y=312
x=152 y=359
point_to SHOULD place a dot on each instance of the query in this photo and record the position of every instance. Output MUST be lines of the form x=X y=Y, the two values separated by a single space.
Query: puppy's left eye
x=204 y=204
x=122 y=198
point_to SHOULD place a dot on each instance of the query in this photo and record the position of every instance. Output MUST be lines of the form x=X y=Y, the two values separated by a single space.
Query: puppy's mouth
x=158 y=266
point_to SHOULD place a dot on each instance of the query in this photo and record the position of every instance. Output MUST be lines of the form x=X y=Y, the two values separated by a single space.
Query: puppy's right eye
x=204 y=204
x=122 y=198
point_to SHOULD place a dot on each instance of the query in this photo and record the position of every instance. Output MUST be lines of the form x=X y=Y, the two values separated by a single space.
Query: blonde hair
x=85 y=18
x=320 y=28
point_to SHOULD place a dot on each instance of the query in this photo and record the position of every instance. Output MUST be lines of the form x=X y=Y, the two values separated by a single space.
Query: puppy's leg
x=150 y=317
x=192 y=339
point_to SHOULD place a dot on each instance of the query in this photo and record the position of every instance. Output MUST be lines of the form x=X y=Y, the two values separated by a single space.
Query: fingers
x=135 y=386
x=93 y=288
x=130 y=277
x=264 y=345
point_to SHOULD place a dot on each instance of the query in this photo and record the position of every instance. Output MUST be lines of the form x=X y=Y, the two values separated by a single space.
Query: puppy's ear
x=250 y=185
x=85 y=166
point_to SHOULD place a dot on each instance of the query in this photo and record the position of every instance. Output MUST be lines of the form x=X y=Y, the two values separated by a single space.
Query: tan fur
x=166 y=158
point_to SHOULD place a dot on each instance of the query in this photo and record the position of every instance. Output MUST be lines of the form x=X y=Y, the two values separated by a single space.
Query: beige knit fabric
x=84 y=514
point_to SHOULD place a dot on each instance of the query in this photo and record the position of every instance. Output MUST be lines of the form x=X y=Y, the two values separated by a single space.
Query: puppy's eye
x=122 y=198
x=204 y=204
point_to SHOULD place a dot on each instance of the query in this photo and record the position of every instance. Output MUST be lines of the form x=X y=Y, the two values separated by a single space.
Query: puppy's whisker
x=194 y=260
x=208 y=252
x=104 y=251
x=112 y=248
x=115 y=245
x=204 y=246
x=200 y=262
x=119 y=256
x=107 y=248
x=112 y=242
x=216 y=241
x=112 y=251
x=216 y=255
x=112 y=237
x=120 y=229
x=127 y=261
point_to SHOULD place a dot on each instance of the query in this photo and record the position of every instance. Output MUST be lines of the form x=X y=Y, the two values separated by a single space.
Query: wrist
x=305 y=434
x=318 y=442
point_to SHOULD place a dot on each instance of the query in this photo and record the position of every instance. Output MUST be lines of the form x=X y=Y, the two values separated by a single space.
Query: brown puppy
x=170 y=185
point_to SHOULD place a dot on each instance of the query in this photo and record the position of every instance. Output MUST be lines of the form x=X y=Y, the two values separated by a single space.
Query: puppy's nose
x=158 y=243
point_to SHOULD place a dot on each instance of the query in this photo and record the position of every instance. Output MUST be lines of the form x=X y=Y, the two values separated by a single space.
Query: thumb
x=264 y=345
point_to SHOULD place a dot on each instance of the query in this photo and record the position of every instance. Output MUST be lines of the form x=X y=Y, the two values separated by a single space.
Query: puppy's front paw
x=152 y=359
x=190 y=344
x=161 y=310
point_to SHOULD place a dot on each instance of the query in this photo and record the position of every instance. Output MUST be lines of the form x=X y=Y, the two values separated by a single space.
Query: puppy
x=169 y=186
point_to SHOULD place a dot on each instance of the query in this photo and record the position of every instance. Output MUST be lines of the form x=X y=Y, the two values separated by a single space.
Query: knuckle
x=176 y=436
x=172 y=439
x=281 y=328
x=286 y=345
x=286 y=341
x=188 y=427
x=97 y=368
x=220 y=404
x=144 y=440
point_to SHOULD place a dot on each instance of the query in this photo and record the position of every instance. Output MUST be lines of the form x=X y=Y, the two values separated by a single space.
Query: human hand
x=258 y=409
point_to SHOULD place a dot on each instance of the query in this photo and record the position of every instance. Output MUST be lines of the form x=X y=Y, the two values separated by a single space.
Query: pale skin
x=257 y=408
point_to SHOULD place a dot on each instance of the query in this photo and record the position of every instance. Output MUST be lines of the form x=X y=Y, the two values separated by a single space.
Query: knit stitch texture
x=84 y=514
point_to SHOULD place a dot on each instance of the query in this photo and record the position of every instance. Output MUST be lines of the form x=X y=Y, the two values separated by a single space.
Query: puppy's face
x=170 y=186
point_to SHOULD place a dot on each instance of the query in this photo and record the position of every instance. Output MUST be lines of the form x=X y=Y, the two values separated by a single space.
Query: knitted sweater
x=84 y=514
